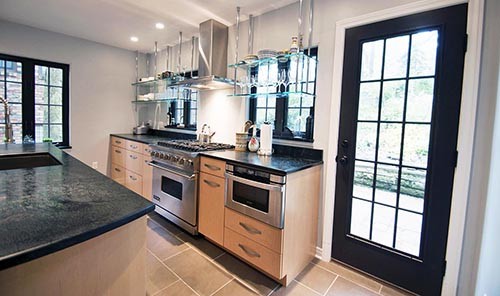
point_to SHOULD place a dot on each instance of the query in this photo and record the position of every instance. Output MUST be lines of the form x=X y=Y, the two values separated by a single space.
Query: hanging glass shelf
x=276 y=94
x=166 y=81
x=273 y=60
x=161 y=100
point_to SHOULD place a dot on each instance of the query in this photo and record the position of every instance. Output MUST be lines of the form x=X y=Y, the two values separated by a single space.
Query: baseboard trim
x=319 y=253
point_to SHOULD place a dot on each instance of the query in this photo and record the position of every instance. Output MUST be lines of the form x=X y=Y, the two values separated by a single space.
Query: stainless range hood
x=212 y=60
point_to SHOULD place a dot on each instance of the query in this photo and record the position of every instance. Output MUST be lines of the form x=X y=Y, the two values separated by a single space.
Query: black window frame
x=280 y=127
x=28 y=95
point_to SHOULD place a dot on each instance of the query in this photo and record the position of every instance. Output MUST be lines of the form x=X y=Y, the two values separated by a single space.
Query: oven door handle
x=252 y=183
x=193 y=176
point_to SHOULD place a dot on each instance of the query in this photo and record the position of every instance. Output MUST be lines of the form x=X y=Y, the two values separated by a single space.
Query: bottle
x=294 y=48
x=310 y=124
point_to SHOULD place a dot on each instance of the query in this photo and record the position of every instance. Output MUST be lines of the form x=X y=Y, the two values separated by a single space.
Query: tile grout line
x=274 y=290
x=354 y=282
x=380 y=290
x=331 y=285
x=324 y=268
x=222 y=286
x=172 y=271
x=178 y=253
x=158 y=292
x=307 y=287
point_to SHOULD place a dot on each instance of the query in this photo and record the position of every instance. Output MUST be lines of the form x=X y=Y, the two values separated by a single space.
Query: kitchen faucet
x=9 y=133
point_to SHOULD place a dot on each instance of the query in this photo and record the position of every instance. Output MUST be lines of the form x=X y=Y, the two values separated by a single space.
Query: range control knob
x=181 y=160
x=157 y=154
x=162 y=155
x=168 y=156
x=152 y=153
x=190 y=162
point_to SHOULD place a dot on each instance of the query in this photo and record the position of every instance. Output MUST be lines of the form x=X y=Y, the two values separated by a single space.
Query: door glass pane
x=366 y=139
x=14 y=92
x=423 y=53
x=371 y=65
x=408 y=232
x=412 y=189
x=416 y=145
x=41 y=94
x=14 y=71
x=363 y=180
x=396 y=57
x=41 y=75
x=361 y=217
x=393 y=99
x=389 y=142
x=56 y=78
x=369 y=93
x=383 y=225
x=387 y=184
x=2 y=71
x=420 y=99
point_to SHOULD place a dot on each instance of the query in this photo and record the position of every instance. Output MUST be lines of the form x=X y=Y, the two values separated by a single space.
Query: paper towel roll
x=266 y=138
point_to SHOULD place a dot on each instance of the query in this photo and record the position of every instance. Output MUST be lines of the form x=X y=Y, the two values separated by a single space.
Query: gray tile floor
x=180 y=264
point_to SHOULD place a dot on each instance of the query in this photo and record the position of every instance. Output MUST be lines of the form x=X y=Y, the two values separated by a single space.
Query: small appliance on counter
x=266 y=139
x=253 y=144
x=141 y=129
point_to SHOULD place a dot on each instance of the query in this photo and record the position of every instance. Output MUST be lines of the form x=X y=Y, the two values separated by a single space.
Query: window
x=289 y=110
x=38 y=95
x=184 y=109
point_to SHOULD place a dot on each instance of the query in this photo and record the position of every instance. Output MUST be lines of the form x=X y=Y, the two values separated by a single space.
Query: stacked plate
x=267 y=53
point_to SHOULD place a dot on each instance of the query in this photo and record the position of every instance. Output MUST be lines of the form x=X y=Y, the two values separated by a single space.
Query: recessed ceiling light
x=134 y=39
x=160 y=26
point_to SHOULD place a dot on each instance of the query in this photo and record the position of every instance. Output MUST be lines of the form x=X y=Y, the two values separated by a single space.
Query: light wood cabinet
x=118 y=173
x=211 y=207
x=129 y=165
x=213 y=166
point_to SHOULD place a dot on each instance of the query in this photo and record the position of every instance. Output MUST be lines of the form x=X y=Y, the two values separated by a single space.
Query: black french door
x=401 y=93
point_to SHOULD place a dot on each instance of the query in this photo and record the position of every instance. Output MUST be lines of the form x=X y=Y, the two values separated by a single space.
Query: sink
x=24 y=161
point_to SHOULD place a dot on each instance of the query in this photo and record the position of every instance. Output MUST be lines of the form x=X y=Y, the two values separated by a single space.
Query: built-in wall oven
x=256 y=193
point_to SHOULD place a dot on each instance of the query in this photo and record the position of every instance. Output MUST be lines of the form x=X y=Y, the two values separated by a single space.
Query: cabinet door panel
x=118 y=155
x=134 y=162
x=133 y=182
x=211 y=207
x=118 y=173
x=213 y=166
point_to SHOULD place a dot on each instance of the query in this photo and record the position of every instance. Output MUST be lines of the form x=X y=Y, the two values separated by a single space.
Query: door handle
x=249 y=252
x=211 y=184
x=250 y=229
x=343 y=160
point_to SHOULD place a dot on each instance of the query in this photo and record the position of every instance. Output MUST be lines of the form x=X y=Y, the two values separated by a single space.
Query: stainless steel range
x=175 y=179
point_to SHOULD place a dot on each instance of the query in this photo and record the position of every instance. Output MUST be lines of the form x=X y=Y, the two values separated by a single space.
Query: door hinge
x=444 y=267
x=466 y=42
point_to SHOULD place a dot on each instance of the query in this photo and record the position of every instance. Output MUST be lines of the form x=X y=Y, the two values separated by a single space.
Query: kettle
x=205 y=135
x=141 y=129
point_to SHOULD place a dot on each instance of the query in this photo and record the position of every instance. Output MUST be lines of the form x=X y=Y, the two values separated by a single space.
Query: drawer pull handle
x=249 y=251
x=118 y=151
x=250 y=229
x=117 y=169
x=118 y=142
x=133 y=157
x=133 y=146
x=133 y=178
x=211 y=184
x=212 y=167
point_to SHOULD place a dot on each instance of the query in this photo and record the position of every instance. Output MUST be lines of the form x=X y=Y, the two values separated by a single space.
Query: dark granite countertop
x=281 y=164
x=145 y=139
x=46 y=209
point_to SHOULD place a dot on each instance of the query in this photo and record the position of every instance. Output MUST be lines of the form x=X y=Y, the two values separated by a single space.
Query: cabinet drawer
x=118 y=173
x=253 y=252
x=134 y=161
x=213 y=166
x=134 y=146
x=118 y=155
x=118 y=142
x=133 y=182
x=211 y=207
x=147 y=178
x=257 y=231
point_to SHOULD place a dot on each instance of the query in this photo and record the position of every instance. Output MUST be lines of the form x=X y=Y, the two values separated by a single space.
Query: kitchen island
x=65 y=228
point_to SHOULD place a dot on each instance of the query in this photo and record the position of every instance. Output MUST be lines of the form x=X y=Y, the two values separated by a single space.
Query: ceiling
x=113 y=22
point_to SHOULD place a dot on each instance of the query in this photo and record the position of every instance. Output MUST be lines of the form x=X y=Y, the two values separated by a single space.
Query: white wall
x=100 y=90
x=479 y=274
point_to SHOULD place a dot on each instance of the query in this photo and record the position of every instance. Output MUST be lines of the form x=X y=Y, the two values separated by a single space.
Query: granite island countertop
x=47 y=209
x=281 y=164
